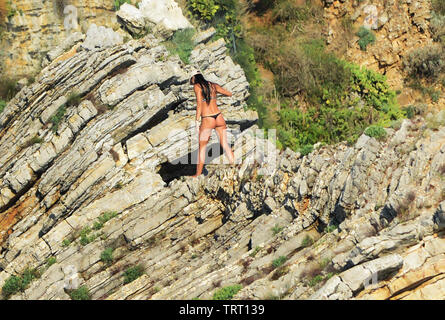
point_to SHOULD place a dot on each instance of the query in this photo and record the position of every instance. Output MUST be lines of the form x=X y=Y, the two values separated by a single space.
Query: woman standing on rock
x=211 y=118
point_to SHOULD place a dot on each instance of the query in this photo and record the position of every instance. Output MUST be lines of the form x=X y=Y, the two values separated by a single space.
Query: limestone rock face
x=101 y=37
x=132 y=18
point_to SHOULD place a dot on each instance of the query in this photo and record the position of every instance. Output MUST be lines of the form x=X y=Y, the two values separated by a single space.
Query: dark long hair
x=205 y=85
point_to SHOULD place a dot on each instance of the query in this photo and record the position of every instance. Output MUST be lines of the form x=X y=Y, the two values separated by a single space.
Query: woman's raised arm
x=222 y=90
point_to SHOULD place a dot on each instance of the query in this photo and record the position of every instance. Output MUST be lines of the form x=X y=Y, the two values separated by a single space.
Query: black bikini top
x=210 y=97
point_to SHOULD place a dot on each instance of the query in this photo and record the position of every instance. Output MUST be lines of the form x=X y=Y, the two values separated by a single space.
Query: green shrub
x=82 y=293
x=342 y=113
x=133 y=273
x=307 y=241
x=227 y=293
x=85 y=237
x=438 y=6
x=181 y=44
x=73 y=99
x=255 y=251
x=437 y=26
x=2 y=105
x=315 y=280
x=29 y=275
x=277 y=229
x=107 y=256
x=306 y=149
x=260 y=7
x=323 y=263
x=14 y=284
x=104 y=218
x=205 y=9
x=66 y=242
x=118 y=3
x=50 y=261
x=410 y=111
x=427 y=62
x=8 y=88
x=11 y=10
x=279 y=261
x=244 y=55
x=57 y=118
x=35 y=140
x=376 y=131
x=366 y=37
x=330 y=228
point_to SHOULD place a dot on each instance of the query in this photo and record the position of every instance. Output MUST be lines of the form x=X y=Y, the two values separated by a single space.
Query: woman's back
x=211 y=107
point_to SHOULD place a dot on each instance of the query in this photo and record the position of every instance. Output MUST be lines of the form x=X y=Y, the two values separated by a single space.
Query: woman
x=211 y=118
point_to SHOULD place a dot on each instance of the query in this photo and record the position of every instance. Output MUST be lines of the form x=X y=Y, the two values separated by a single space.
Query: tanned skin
x=205 y=109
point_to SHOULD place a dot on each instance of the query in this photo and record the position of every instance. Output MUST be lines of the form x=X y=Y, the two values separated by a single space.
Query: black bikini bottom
x=214 y=116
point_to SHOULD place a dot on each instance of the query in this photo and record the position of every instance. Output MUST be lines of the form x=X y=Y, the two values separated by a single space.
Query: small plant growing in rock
x=15 y=284
x=330 y=228
x=104 y=218
x=119 y=185
x=279 y=261
x=119 y=3
x=323 y=263
x=227 y=293
x=376 y=131
x=277 y=229
x=281 y=271
x=85 y=238
x=255 y=251
x=50 y=261
x=305 y=150
x=11 y=286
x=57 y=118
x=133 y=273
x=315 y=280
x=2 y=105
x=307 y=241
x=66 y=242
x=82 y=293
x=181 y=44
x=36 y=139
x=8 y=88
x=425 y=63
x=107 y=256
x=366 y=37
x=12 y=11
x=73 y=99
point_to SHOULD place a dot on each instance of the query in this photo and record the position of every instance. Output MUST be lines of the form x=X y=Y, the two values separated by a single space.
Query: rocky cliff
x=94 y=180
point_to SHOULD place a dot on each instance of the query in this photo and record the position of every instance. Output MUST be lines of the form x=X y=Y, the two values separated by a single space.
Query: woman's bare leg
x=204 y=136
x=221 y=131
